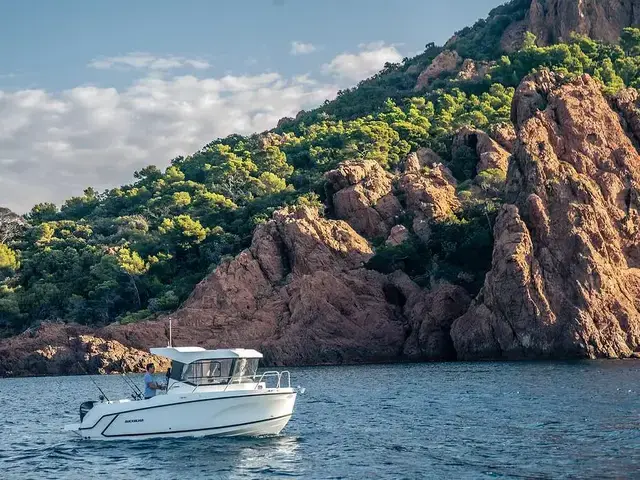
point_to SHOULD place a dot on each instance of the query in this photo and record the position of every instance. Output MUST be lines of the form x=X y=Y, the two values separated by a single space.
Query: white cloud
x=53 y=145
x=358 y=66
x=299 y=48
x=148 y=61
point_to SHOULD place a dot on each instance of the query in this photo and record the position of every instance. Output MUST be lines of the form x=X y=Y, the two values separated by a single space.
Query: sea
x=531 y=420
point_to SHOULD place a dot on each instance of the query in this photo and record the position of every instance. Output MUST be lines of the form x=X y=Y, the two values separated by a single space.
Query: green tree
x=42 y=212
x=134 y=266
x=8 y=261
x=630 y=41
x=183 y=231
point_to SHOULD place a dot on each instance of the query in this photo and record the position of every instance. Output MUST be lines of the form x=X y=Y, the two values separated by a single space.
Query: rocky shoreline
x=564 y=280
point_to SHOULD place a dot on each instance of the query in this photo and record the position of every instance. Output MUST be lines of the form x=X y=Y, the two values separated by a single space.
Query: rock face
x=490 y=154
x=430 y=194
x=299 y=294
x=58 y=349
x=447 y=62
x=399 y=234
x=361 y=193
x=424 y=157
x=472 y=70
x=427 y=187
x=565 y=278
x=10 y=225
x=431 y=314
x=504 y=134
x=553 y=21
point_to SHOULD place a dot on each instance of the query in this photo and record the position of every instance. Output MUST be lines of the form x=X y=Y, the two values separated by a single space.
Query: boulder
x=489 y=152
x=446 y=62
x=361 y=194
x=399 y=234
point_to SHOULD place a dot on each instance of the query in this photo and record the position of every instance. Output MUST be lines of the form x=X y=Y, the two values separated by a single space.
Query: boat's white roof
x=193 y=354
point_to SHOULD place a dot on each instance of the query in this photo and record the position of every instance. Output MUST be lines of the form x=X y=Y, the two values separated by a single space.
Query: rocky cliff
x=301 y=294
x=553 y=21
x=565 y=278
x=58 y=349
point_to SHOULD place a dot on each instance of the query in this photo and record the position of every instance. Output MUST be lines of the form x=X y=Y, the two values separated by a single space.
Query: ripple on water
x=490 y=420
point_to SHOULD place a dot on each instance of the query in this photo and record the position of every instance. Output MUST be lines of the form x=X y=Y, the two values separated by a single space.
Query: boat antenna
x=169 y=333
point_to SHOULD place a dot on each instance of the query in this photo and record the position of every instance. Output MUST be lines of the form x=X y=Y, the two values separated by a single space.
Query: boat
x=207 y=393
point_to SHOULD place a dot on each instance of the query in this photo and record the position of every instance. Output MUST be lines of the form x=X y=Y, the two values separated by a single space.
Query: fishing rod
x=92 y=380
x=137 y=393
x=131 y=383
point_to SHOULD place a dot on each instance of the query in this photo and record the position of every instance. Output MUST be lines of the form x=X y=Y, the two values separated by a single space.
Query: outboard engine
x=85 y=407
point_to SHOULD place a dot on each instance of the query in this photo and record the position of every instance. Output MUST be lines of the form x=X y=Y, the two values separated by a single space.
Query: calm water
x=452 y=421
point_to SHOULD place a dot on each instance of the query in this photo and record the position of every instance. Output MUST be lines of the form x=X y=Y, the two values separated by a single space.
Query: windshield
x=207 y=372
x=244 y=370
x=215 y=372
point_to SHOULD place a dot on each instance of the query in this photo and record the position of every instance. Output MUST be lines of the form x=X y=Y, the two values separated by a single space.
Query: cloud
x=358 y=66
x=141 y=60
x=299 y=48
x=53 y=145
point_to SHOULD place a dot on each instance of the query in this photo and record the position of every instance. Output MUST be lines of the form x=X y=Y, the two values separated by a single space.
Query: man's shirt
x=148 y=391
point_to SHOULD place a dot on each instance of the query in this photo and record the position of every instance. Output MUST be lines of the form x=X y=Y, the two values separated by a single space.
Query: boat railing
x=272 y=378
x=282 y=379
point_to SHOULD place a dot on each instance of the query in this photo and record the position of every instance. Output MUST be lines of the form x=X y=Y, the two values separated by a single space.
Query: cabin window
x=245 y=370
x=176 y=371
x=207 y=372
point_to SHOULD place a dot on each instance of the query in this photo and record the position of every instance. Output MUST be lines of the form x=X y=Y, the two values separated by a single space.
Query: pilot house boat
x=208 y=393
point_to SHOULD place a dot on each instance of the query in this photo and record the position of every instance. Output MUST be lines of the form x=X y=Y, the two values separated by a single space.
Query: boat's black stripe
x=183 y=403
x=189 y=431
x=109 y=424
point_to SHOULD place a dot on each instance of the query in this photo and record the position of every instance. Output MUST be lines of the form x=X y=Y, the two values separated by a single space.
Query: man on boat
x=150 y=385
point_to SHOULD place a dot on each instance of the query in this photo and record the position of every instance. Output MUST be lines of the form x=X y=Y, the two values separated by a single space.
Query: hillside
x=457 y=205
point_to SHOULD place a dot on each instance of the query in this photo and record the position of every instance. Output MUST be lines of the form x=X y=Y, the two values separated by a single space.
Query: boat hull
x=242 y=413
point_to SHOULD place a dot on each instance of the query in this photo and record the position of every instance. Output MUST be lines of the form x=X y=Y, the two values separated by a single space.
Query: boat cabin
x=195 y=367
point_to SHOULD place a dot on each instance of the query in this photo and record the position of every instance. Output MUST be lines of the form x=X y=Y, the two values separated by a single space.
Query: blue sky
x=91 y=91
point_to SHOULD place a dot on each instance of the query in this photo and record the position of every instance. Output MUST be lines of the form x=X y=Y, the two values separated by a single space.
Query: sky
x=92 y=91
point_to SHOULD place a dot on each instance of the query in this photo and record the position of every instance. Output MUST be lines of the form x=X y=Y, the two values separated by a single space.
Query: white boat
x=208 y=393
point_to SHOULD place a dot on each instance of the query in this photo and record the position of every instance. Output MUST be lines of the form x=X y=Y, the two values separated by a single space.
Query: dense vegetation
x=482 y=40
x=133 y=251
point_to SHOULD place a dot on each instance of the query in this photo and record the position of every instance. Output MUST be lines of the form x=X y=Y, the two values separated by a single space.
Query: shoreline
x=368 y=364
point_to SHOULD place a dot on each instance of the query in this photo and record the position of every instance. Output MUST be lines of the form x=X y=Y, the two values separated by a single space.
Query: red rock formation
x=56 y=349
x=299 y=294
x=430 y=194
x=564 y=280
x=490 y=154
x=504 y=134
x=399 y=234
x=362 y=195
x=424 y=157
x=553 y=21
x=430 y=314
x=472 y=70
x=447 y=62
